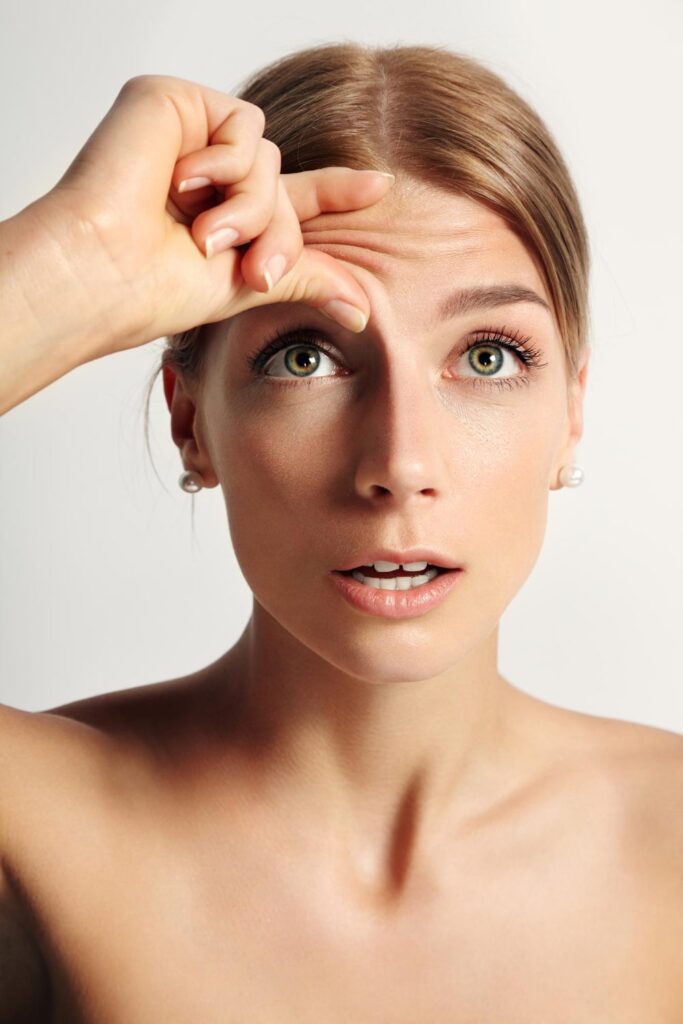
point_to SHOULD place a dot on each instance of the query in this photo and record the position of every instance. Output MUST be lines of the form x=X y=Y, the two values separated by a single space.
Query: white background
x=104 y=585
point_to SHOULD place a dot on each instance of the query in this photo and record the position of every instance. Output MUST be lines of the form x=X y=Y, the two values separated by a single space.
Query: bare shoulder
x=32 y=742
x=61 y=773
x=137 y=713
x=62 y=768
x=647 y=775
x=647 y=762
x=625 y=776
x=642 y=765
x=632 y=781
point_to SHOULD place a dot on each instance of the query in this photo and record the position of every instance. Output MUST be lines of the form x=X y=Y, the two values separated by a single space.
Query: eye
x=297 y=353
x=500 y=359
x=298 y=361
x=487 y=358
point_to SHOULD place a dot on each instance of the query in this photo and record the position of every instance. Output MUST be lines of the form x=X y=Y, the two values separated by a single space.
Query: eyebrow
x=486 y=297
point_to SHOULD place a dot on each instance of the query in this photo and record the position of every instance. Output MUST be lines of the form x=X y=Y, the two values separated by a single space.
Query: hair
x=442 y=118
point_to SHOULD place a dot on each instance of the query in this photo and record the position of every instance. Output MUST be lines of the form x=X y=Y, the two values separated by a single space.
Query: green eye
x=486 y=359
x=497 y=360
x=302 y=360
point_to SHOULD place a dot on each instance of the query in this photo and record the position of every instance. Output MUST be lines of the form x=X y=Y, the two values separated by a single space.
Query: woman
x=351 y=815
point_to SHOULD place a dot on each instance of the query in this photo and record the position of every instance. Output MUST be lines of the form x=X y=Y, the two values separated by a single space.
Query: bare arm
x=62 y=302
x=115 y=256
x=25 y=985
x=25 y=990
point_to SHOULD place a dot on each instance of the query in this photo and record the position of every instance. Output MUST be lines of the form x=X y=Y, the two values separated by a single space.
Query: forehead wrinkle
x=375 y=260
x=376 y=255
x=390 y=242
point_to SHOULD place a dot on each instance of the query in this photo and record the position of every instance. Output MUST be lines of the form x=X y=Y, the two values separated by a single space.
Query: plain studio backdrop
x=104 y=583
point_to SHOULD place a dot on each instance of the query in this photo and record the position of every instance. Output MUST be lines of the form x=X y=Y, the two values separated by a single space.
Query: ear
x=576 y=393
x=184 y=427
x=169 y=383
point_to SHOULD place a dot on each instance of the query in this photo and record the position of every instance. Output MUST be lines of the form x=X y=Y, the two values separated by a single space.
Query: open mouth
x=405 y=577
x=413 y=587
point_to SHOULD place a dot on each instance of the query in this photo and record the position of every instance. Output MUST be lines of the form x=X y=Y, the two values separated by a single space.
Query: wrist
x=66 y=282
x=63 y=301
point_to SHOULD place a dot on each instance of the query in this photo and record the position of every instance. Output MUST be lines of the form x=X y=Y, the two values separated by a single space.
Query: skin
x=367 y=716
x=343 y=818
x=347 y=817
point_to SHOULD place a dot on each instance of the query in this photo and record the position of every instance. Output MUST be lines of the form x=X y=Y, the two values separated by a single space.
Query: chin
x=405 y=658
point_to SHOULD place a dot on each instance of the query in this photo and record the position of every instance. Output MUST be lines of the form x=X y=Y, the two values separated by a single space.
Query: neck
x=369 y=763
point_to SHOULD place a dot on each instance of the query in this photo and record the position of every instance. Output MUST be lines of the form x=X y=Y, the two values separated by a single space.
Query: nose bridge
x=401 y=435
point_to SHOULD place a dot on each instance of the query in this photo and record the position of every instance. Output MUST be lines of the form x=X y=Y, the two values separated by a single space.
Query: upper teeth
x=391 y=566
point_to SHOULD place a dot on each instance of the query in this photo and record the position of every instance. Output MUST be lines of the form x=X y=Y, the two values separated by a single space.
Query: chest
x=141 y=934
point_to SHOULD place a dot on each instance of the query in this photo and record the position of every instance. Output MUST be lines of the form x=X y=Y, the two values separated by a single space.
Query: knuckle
x=241 y=163
x=273 y=153
x=255 y=113
x=160 y=86
x=140 y=82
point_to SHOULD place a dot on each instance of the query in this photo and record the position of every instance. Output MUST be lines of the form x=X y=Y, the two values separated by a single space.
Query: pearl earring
x=191 y=481
x=571 y=476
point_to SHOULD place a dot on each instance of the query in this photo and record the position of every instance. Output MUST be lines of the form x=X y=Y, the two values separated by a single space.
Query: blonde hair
x=440 y=117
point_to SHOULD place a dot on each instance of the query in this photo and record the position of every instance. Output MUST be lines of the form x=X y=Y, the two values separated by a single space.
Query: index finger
x=334 y=189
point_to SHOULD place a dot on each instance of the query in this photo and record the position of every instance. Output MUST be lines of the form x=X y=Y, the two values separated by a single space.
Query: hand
x=124 y=185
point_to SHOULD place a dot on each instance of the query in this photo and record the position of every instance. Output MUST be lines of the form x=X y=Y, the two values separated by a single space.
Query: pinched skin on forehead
x=465 y=242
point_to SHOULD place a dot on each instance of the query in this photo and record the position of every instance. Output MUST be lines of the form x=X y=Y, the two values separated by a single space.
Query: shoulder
x=628 y=780
x=60 y=778
x=639 y=767
x=647 y=776
x=623 y=778
x=64 y=767
x=644 y=762
x=646 y=765
x=137 y=714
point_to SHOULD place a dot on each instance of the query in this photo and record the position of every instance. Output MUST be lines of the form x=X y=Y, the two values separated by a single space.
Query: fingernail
x=220 y=240
x=187 y=184
x=274 y=269
x=346 y=315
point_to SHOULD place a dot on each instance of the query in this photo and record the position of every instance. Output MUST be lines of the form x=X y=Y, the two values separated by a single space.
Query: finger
x=329 y=189
x=188 y=205
x=180 y=116
x=251 y=204
x=316 y=279
x=230 y=154
x=281 y=242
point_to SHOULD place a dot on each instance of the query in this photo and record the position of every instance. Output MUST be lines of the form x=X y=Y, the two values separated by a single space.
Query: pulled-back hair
x=440 y=117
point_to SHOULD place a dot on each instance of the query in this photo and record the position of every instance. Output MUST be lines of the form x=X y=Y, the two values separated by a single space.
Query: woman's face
x=394 y=438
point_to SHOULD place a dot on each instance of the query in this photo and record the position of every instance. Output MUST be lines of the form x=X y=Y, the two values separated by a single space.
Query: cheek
x=278 y=460
x=276 y=473
x=505 y=492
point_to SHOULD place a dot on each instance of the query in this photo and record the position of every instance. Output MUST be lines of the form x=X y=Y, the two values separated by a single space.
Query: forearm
x=61 y=303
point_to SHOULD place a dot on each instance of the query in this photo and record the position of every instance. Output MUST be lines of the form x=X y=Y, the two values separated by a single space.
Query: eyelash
x=304 y=336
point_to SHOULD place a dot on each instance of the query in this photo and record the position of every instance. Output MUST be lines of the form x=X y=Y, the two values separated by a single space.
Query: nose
x=401 y=439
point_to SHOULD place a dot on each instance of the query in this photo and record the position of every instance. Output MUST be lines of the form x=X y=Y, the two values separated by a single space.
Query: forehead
x=420 y=233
